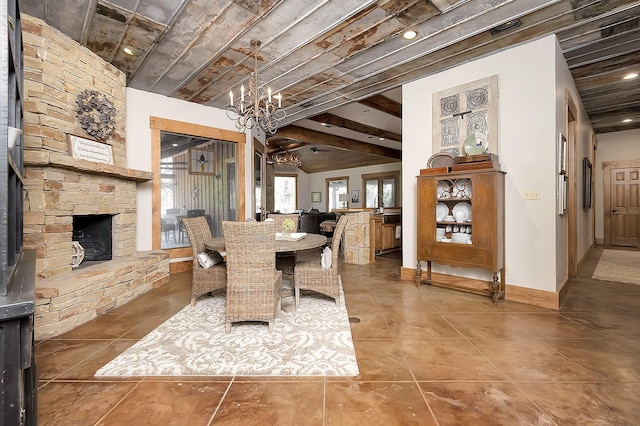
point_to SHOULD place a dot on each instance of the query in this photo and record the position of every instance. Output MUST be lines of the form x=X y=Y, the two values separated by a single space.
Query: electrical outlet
x=531 y=194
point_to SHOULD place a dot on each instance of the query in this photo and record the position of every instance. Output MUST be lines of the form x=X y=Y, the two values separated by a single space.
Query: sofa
x=310 y=221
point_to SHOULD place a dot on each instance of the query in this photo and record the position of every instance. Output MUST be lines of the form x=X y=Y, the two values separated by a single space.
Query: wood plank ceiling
x=340 y=63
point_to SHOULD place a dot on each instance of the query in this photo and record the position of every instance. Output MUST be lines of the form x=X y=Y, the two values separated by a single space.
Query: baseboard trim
x=529 y=296
x=183 y=266
x=533 y=296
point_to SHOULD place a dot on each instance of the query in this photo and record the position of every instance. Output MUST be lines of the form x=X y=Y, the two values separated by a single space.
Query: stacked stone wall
x=356 y=239
x=59 y=185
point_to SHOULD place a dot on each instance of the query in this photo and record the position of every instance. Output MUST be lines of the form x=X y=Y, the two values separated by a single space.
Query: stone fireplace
x=70 y=197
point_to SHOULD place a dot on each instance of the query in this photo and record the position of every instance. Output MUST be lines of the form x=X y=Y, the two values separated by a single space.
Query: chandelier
x=259 y=111
x=287 y=158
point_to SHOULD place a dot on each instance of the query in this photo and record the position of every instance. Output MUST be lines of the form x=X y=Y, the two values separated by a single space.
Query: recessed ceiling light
x=627 y=120
x=630 y=76
x=130 y=50
x=175 y=144
x=381 y=139
x=410 y=35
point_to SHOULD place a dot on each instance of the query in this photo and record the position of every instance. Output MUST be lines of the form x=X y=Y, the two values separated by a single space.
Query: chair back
x=279 y=218
x=251 y=248
x=198 y=231
x=337 y=237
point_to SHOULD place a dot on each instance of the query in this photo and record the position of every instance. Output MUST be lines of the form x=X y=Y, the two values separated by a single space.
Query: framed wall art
x=201 y=161
x=355 y=196
x=464 y=110
x=316 y=197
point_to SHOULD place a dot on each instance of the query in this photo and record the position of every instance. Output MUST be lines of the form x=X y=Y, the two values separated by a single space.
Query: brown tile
x=421 y=325
x=608 y=323
x=357 y=303
x=612 y=359
x=105 y=326
x=54 y=357
x=550 y=325
x=86 y=369
x=381 y=360
x=447 y=300
x=587 y=404
x=486 y=403
x=484 y=324
x=531 y=359
x=167 y=403
x=511 y=306
x=447 y=359
x=371 y=326
x=146 y=325
x=376 y=403
x=404 y=302
x=78 y=403
x=272 y=403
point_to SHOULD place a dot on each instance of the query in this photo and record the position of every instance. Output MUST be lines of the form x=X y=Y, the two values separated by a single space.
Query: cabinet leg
x=418 y=274
x=497 y=292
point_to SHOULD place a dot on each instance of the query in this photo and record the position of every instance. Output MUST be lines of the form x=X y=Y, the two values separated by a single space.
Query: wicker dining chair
x=253 y=282
x=203 y=280
x=285 y=261
x=309 y=275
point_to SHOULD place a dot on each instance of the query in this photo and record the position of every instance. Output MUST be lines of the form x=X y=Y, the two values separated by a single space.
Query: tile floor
x=427 y=356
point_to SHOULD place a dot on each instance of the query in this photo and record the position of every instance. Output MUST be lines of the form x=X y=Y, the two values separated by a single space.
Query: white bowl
x=460 y=237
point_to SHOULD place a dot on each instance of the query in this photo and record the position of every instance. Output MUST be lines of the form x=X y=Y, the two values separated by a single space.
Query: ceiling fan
x=315 y=149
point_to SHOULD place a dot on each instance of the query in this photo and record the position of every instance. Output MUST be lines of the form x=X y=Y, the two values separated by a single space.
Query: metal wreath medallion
x=96 y=114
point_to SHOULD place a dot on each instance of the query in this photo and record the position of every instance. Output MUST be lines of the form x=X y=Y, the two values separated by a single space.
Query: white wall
x=611 y=147
x=527 y=133
x=316 y=182
x=140 y=107
x=582 y=148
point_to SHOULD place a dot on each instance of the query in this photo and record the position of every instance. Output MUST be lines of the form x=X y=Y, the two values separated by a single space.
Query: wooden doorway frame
x=159 y=125
x=607 y=166
x=571 y=114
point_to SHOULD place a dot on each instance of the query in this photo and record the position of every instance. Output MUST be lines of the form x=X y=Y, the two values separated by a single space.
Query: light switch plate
x=531 y=194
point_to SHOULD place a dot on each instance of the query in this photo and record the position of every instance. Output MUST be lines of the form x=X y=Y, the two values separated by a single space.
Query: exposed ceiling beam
x=319 y=138
x=345 y=123
x=384 y=104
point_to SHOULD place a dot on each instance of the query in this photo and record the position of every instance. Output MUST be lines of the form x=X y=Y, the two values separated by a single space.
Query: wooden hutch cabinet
x=461 y=224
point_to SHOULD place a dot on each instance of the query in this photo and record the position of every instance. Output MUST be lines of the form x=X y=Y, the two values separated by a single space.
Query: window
x=285 y=191
x=176 y=191
x=381 y=190
x=337 y=193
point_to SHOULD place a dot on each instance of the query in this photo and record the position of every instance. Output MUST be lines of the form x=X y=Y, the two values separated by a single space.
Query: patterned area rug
x=314 y=340
x=618 y=266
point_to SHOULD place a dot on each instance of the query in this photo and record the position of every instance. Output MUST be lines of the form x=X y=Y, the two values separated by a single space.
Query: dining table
x=309 y=241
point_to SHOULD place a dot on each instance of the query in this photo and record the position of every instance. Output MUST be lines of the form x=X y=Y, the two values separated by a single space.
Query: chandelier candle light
x=259 y=111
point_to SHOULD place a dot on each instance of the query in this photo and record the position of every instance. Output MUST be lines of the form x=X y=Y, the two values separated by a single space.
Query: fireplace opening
x=94 y=233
